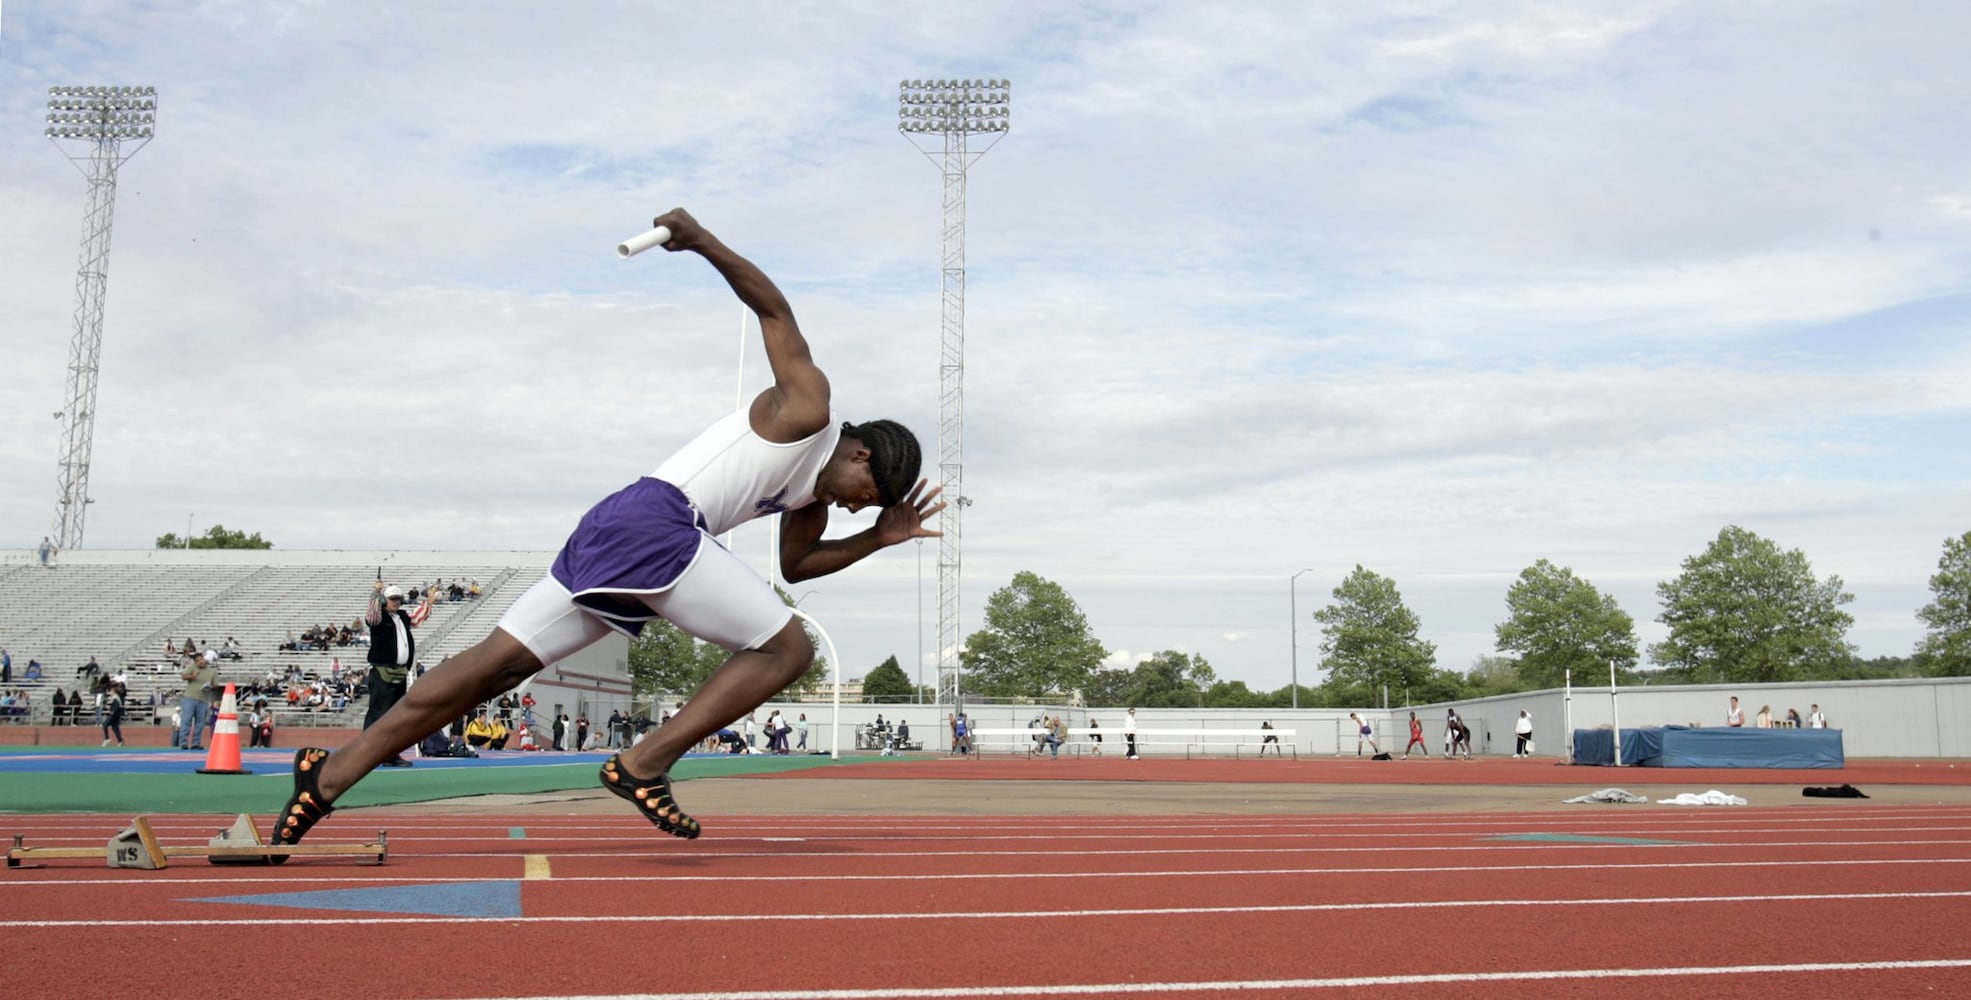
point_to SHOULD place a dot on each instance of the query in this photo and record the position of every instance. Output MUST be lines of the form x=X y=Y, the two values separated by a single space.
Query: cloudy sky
x=1439 y=289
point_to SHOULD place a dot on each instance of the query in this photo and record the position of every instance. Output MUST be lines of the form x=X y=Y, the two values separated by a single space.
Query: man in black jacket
x=392 y=648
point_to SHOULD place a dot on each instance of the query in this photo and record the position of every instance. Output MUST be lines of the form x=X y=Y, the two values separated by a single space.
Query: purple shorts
x=637 y=541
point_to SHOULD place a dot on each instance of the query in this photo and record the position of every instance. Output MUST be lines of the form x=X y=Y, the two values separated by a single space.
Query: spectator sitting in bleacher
x=230 y=649
x=33 y=670
x=472 y=590
x=88 y=669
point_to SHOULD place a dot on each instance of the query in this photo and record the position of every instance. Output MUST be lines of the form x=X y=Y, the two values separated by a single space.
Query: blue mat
x=1683 y=746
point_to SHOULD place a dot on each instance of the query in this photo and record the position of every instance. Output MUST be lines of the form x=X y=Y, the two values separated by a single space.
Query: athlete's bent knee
x=790 y=651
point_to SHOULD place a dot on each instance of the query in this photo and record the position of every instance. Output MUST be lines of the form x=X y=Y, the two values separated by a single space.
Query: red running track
x=1708 y=902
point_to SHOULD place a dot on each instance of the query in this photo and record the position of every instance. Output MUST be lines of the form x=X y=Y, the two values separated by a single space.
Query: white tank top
x=733 y=475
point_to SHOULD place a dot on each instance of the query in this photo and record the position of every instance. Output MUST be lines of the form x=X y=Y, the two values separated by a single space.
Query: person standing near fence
x=1815 y=718
x=1364 y=733
x=1129 y=735
x=1416 y=738
x=1522 y=731
x=1460 y=737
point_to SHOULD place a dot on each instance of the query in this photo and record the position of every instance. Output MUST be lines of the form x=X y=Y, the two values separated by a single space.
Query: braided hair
x=894 y=457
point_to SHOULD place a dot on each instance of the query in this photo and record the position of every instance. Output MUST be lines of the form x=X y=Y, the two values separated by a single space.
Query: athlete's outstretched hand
x=905 y=520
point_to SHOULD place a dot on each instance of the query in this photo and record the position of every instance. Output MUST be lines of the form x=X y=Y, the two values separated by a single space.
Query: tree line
x=1742 y=611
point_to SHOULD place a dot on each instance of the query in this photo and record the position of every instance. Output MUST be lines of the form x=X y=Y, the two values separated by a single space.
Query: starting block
x=137 y=846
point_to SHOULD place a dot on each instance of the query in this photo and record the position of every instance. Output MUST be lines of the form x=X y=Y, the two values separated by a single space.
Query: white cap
x=390 y=592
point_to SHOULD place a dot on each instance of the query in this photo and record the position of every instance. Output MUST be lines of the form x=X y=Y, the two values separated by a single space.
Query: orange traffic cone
x=224 y=757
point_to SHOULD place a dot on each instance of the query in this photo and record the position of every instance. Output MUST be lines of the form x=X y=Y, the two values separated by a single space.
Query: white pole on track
x=835 y=723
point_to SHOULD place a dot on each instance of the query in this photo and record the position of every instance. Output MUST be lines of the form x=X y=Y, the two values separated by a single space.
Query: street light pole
x=99 y=120
x=1293 y=631
x=953 y=111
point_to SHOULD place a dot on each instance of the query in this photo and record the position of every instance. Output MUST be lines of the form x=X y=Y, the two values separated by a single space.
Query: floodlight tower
x=99 y=120
x=956 y=110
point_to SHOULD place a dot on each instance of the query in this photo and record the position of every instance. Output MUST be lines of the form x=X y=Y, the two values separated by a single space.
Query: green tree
x=1203 y=678
x=1107 y=687
x=1235 y=694
x=665 y=659
x=217 y=537
x=1035 y=641
x=888 y=683
x=1747 y=612
x=1493 y=675
x=1880 y=668
x=1945 y=650
x=1169 y=679
x=1559 y=622
x=1369 y=642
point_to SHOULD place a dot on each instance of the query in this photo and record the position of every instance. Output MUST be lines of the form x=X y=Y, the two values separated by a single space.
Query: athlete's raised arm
x=796 y=406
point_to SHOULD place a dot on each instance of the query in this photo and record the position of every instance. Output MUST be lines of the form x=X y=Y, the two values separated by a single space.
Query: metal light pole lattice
x=955 y=110
x=91 y=126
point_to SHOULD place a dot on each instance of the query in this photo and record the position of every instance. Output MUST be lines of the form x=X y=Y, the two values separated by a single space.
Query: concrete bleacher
x=121 y=607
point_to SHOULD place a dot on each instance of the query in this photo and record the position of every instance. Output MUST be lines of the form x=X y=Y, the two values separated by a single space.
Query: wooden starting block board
x=137 y=846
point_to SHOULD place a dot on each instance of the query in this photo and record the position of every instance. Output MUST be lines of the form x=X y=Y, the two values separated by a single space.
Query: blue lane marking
x=1576 y=838
x=450 y=899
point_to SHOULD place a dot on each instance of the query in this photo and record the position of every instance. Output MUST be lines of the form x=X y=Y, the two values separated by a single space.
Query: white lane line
x=1816 y=863
x=981 y=915
x=1251 y=985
